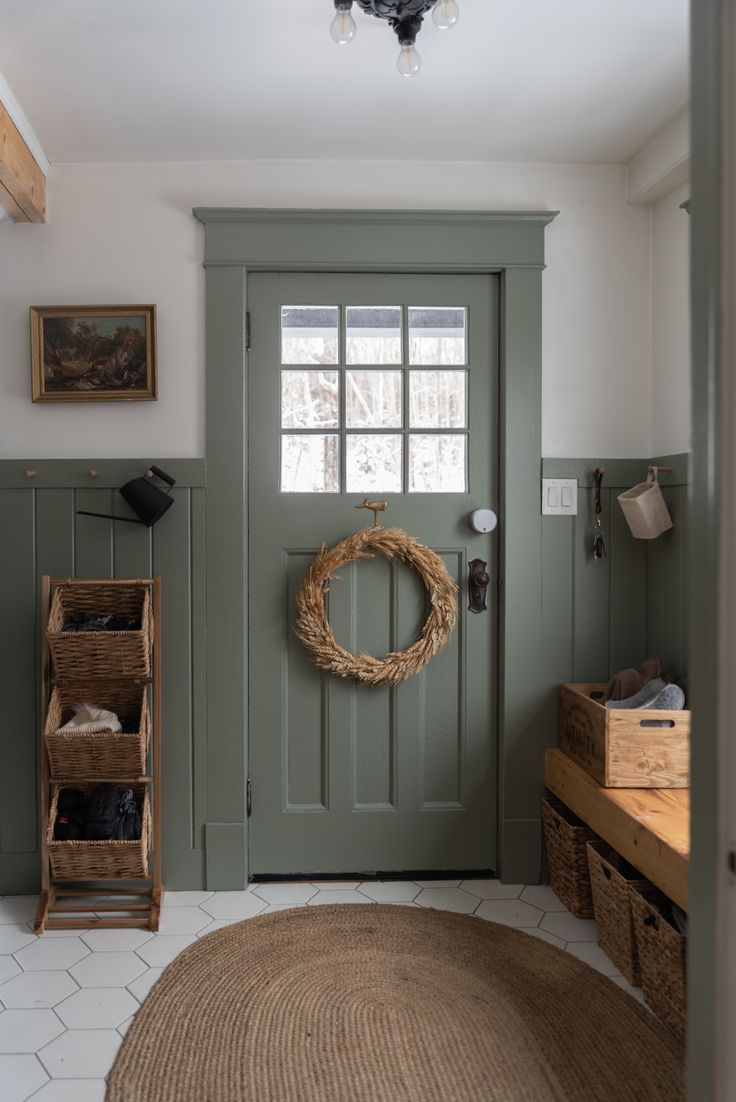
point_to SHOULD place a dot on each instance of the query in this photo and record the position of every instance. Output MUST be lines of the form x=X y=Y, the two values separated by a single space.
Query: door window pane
x=309 y=399
x=373 y=463
x=437 y=399
x=437 y=463
x=373 y=335
x=373 y=399
x=310 y=464
x=309 y=334
x=437 y=335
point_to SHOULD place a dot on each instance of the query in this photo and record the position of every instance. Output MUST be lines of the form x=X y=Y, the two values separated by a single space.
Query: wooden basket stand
x=103 y=883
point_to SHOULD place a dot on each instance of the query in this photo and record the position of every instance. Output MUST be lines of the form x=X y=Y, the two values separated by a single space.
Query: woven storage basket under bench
x=100 y=654
x=565 y=838
x=98 y=754
x=662 y=951
x=93 y=860
x=612 y=880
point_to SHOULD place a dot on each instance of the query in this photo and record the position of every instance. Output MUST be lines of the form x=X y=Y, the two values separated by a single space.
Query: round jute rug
x=389 y=1004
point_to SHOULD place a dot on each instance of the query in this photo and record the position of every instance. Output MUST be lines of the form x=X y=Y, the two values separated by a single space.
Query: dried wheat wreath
x=316 y=634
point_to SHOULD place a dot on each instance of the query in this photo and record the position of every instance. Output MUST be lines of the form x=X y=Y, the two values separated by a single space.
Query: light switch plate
x=559 y=497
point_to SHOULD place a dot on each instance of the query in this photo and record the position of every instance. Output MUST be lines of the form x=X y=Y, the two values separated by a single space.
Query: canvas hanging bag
x=644 y=508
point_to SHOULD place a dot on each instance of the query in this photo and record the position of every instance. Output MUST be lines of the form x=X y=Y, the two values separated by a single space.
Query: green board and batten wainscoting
x=595 y=618
x=600 y=617
x=42 y=535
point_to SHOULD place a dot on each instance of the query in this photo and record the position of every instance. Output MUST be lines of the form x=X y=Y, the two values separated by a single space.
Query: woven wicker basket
x=85 y=654
x=100 y=860
x=101 y=754
x=611 y=879
x=662 y=957
x=565 y=837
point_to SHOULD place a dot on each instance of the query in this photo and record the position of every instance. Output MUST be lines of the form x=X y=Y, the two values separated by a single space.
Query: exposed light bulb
x=408 y=62
x=445 y=14
x=342 y=27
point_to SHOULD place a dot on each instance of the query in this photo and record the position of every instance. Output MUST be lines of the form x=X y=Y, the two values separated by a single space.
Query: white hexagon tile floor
x=67 y=998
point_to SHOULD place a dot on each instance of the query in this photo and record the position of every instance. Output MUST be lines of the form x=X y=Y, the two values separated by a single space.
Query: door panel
x=346 y=777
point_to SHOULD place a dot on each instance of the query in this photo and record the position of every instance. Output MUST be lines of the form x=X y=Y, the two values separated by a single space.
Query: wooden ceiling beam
x=22 y=181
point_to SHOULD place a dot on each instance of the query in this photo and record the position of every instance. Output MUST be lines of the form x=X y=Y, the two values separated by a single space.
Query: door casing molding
x=509 y=244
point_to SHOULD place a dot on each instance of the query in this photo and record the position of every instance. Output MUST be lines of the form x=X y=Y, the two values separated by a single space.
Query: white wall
x=125 y=233
x=670 y=396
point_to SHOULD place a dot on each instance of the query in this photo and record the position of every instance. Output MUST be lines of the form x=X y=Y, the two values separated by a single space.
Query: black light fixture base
x=405 y=16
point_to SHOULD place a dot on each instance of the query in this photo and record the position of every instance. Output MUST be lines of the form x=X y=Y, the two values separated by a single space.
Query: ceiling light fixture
x=404 y=16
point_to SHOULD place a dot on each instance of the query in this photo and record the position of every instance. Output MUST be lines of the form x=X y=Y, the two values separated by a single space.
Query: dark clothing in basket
x=100 y=621
x=69 y=826
x=128 y=825
x=111 y=814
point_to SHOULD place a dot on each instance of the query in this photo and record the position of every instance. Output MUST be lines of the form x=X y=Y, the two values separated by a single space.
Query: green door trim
x=239 y=241
x=710 y=508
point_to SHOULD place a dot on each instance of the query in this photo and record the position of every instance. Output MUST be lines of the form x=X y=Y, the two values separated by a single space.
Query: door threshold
x=409 y=874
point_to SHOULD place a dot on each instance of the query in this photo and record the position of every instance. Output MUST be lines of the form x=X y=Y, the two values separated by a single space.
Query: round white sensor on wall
x=483 y=520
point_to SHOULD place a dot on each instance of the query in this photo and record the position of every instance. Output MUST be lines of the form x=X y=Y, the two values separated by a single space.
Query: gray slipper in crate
x=656 y=695
x=644 y=698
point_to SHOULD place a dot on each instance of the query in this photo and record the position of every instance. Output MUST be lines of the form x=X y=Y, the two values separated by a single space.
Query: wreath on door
x=315 y=632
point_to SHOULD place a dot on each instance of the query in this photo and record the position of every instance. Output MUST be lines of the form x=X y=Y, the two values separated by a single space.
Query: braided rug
x=389 y=1004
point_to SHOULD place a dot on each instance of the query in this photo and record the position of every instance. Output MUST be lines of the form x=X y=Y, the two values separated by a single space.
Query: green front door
x=380 y=387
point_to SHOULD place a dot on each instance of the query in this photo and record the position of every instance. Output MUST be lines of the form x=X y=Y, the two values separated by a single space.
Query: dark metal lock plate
x=478 y=579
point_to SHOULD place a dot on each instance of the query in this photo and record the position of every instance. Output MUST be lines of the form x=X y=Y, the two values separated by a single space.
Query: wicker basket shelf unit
x=121 y=672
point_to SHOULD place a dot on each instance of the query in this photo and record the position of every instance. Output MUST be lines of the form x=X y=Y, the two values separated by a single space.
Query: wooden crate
x=618 y=746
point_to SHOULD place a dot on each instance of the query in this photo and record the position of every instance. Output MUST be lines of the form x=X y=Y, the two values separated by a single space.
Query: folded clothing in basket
x=100 y=621
x=69 y=825
x=110 y=814
x=88 y=719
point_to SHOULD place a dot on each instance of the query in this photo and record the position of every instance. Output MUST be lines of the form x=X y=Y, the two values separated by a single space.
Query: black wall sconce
x=146 y=500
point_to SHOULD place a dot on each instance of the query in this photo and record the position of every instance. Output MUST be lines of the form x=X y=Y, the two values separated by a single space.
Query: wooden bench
x=649 y=827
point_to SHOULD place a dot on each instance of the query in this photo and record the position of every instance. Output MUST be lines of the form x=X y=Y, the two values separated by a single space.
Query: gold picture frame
x=93 y=354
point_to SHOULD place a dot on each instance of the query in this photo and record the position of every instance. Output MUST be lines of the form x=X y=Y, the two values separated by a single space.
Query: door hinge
x=248 y=798
x=247 y=330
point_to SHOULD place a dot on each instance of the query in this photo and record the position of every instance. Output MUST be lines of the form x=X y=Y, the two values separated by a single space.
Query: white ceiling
x=515 y=80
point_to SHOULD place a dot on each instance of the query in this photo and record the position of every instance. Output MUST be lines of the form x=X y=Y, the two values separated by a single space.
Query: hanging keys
x=599 y=547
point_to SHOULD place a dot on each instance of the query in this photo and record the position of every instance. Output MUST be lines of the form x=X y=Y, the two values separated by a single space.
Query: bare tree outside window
x=317 y=394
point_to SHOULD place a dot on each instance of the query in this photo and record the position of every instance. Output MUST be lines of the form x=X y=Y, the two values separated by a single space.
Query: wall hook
x=652 y=472
x=376 y=506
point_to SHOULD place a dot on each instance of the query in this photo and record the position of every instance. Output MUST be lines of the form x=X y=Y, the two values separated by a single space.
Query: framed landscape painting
x=93 y=353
